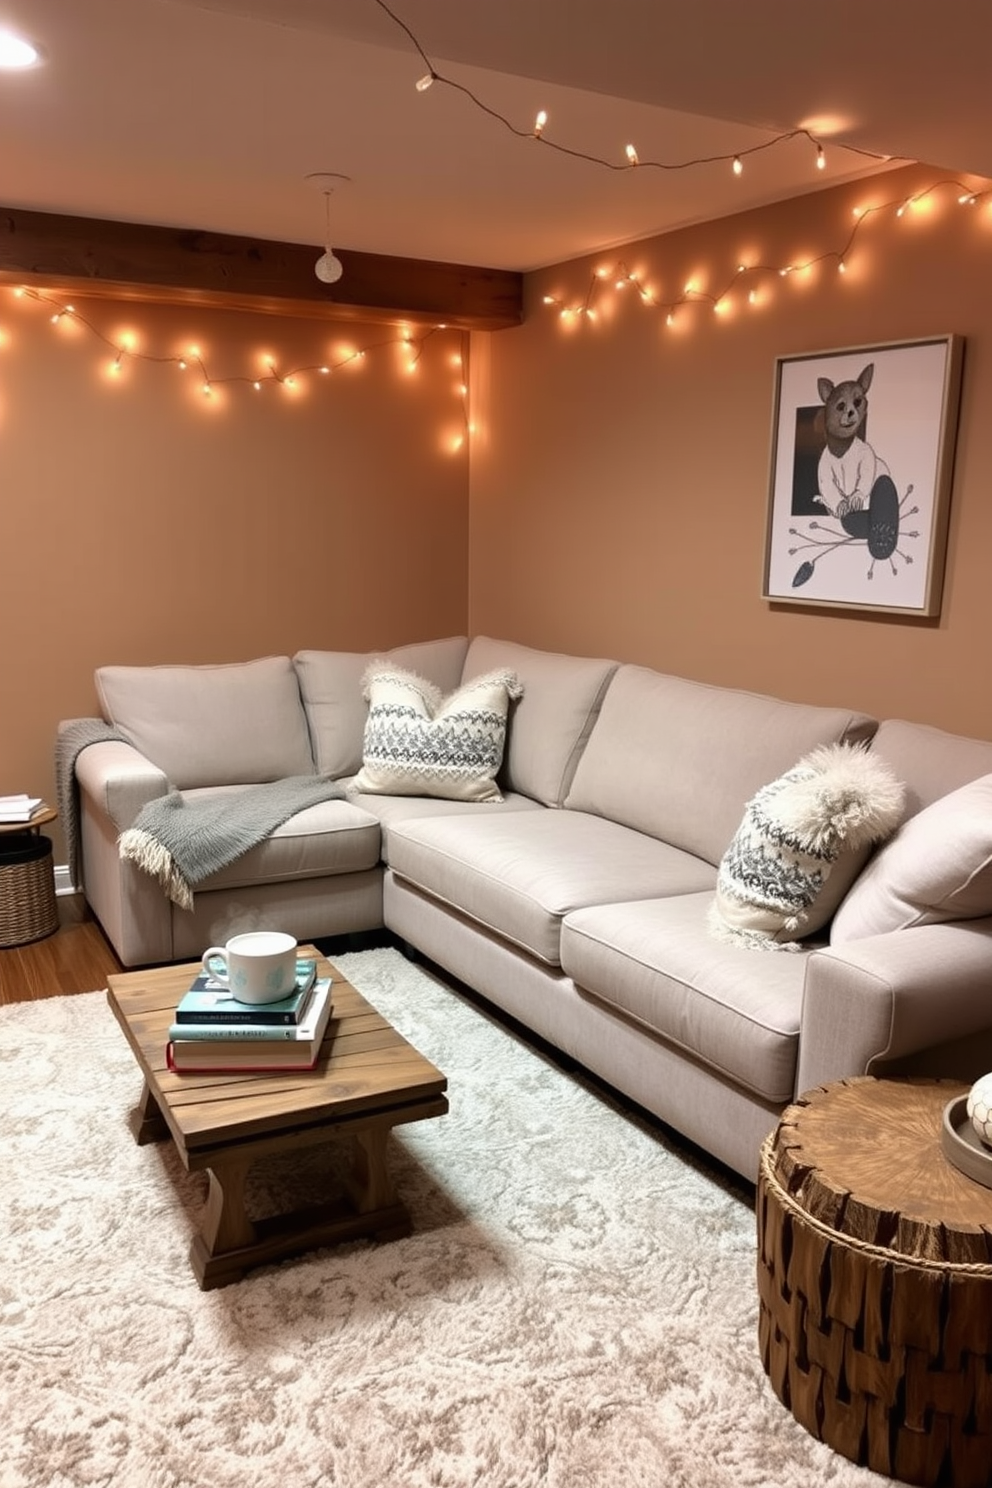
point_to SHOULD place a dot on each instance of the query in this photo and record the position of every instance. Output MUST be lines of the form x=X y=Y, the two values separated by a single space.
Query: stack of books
x=213 y=1032
x=20 y=808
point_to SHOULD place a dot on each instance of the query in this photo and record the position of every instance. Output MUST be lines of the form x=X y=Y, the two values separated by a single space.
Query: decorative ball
x=980 y=1108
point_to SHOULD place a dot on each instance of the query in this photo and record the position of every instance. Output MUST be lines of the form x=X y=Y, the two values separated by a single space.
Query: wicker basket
x=27 y=889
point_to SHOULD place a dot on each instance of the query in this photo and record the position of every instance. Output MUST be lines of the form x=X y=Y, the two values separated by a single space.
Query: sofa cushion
x=802 y=842
x=653 y=961
x=561 y=699
x=519 y=875
x=240 y=724
x=418 y=743
x=392 y=809
x=334 y=837
x=680 y=759
x=937 y=867
x=331 y=686
x=929 y=761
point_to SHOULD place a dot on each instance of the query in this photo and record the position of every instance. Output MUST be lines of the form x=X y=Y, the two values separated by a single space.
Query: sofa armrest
x=118 y=780
x=889 y=997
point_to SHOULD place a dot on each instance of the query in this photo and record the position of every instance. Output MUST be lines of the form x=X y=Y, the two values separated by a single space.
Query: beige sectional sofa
x=579 y=902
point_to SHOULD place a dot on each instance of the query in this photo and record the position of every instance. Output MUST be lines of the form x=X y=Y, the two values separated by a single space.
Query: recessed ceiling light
x=16 y=52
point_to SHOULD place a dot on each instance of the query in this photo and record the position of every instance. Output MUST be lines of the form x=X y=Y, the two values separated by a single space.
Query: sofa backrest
x=552 y=720
x=680 y=759
x=238 y=724
x=930 y=762
x=331 y=687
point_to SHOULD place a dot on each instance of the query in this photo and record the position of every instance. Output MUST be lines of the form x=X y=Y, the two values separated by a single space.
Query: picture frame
x=861 y=468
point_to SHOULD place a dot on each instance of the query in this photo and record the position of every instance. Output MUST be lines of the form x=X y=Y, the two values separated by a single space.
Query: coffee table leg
x=146 y=1121
x=370 y=1185
x=225 y=1227
x=229 y=1243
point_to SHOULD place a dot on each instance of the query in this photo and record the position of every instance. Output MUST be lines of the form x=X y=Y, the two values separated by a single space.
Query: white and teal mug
x=259 y=966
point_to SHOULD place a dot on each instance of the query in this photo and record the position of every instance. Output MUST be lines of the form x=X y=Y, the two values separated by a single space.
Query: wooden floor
x=77 y=958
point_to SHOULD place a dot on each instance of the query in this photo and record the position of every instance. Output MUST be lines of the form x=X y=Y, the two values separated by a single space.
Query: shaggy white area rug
x=575 y=1308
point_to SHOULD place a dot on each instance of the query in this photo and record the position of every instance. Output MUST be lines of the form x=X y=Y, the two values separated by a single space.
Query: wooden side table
x=28 y=909
x=875 y=1281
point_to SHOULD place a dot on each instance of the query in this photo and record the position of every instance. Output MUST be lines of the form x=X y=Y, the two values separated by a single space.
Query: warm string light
x=631 y=158
x=124 y=349
x=461 y=390
x=621 y=278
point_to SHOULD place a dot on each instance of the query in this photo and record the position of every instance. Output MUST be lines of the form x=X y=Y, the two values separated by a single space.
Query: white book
x=19 y=808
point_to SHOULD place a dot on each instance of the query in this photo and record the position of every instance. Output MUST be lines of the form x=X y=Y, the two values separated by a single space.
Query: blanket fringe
x=141 y=849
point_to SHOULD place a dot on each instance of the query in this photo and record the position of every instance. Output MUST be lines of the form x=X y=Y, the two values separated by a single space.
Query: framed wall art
x=861 y=465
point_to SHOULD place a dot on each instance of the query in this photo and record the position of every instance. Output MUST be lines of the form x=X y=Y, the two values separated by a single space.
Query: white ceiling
x=211 y=113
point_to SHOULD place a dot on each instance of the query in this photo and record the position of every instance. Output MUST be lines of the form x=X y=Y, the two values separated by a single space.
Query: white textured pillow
x=937 y=867
x=418 y=743
x=802 y=840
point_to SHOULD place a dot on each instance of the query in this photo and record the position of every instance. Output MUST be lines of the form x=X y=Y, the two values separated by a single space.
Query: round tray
x=961 y=1144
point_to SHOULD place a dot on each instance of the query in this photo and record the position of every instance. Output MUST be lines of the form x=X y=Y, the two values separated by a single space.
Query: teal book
x=209 y=1003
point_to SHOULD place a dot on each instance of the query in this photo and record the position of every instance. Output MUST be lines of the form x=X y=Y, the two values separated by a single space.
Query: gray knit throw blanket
x=75 y=735
x=182 y=842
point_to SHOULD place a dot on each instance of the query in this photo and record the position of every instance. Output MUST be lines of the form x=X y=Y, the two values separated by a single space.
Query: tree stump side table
x=875 y=1281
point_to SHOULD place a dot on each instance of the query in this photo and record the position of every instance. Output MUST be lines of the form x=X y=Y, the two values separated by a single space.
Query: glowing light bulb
x=738 y=166
x=821 y=159
x=540 y=122
x=15 y=52
x=425 y=82
x=631 y=154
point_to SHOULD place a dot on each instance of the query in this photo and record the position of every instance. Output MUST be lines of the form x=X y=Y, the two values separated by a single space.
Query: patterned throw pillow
x=802 y=841
x=418 y=743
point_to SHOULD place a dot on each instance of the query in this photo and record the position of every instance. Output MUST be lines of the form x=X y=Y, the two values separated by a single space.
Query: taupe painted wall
x=620 y=476
x=143 y=523
x=616 y=502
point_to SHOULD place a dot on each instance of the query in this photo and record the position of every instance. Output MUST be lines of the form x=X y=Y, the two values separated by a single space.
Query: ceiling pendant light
x=328 y=267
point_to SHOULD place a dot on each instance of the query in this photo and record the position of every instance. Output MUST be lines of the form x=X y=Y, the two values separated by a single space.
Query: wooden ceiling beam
x=128 y=260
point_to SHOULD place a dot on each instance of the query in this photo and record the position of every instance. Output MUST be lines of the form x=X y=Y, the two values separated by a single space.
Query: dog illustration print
x=849 y=468
x=854 y=484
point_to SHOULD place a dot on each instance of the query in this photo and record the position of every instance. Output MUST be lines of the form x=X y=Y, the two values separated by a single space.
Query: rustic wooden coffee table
x=367 y=1080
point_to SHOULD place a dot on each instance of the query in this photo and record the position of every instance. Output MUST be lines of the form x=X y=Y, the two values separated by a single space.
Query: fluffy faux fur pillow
x=418 y=743
x=800 y=845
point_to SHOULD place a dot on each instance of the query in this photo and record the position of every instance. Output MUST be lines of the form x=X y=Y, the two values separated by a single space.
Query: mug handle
x=213 y=953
